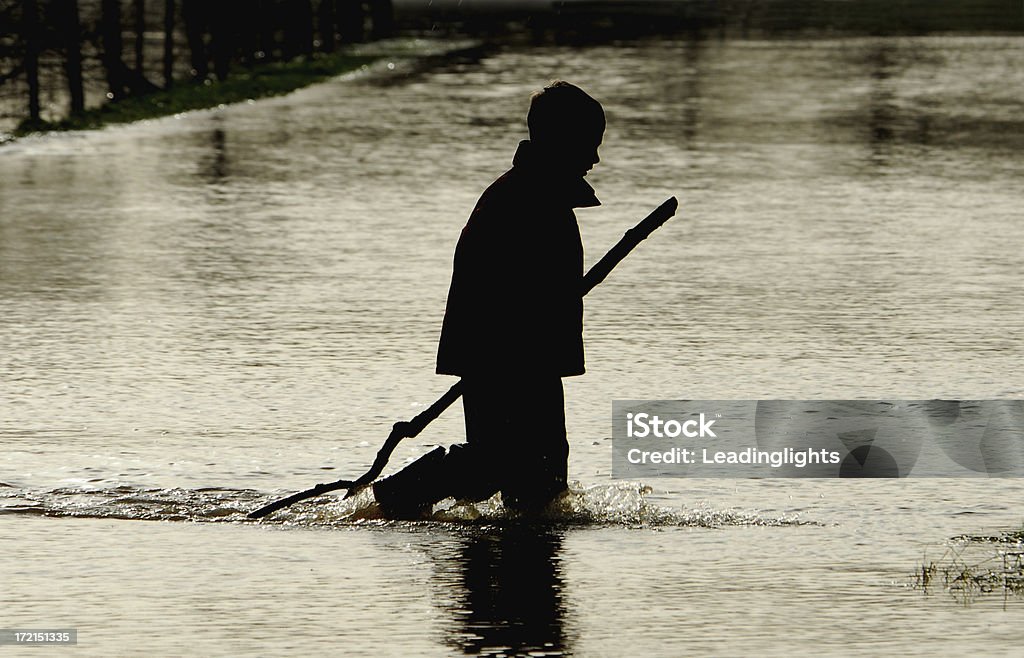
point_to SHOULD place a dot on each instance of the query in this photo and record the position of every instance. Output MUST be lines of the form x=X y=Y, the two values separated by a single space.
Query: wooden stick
x=627 y=243
x=407 y=430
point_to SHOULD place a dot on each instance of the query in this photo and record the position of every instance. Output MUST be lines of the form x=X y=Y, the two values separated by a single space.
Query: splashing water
x=620 y=504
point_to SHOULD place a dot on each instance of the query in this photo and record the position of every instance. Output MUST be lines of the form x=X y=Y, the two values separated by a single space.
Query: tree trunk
x=304 y=26
x=194 y=14
x=110 y=35
x=168 y=44
x=350 y=20
x=72 y=33
x=221 y=37
x=266 y=28
x=140 y=35
x=298 y=38
x=382 y=18
x=325 y=24
x=247 y=33
x=30 y=26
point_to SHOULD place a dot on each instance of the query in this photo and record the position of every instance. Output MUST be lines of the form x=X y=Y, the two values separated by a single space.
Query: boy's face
x=576 y=153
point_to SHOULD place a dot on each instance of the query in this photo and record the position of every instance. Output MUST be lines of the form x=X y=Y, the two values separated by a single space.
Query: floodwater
x=201 y=313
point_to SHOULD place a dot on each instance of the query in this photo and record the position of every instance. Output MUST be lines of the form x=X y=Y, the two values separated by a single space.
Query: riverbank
x=243 y=84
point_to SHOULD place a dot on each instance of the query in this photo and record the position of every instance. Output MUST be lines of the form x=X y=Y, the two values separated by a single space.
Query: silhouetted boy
x=513 y=326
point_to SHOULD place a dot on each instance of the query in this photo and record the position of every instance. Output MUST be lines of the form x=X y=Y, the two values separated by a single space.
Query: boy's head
x=567 y=126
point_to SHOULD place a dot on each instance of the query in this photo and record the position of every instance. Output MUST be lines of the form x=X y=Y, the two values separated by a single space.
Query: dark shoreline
x=602 y=20
x=568 y=23
x=260 y=82
x=272 y=79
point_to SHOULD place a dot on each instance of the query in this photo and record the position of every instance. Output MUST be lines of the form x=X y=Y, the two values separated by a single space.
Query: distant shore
x=272 y=79
x=569 y=22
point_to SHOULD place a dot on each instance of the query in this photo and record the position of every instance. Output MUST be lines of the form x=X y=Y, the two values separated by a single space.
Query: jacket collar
x=572 y=190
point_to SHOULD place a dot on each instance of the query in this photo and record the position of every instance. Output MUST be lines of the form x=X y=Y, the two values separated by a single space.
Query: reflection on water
x=504 y=592
x=218 y=167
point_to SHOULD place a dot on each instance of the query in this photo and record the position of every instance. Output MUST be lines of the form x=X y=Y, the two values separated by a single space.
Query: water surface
x=201 y=312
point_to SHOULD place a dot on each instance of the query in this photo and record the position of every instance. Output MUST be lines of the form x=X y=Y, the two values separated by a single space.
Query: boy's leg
x=541 y=449
x=520 y=425
x=515 y=442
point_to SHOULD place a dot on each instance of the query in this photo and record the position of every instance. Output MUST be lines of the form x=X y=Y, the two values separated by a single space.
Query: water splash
x=126 y=502
x=620 y=504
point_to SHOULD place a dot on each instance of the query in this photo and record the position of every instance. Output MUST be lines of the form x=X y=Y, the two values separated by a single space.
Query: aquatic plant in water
x=970 y=567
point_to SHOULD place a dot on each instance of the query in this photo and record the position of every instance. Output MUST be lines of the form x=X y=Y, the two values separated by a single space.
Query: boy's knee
x=414 y=489
x=463 y=472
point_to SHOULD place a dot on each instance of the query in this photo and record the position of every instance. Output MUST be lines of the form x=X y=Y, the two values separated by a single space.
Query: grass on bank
x=272 y=79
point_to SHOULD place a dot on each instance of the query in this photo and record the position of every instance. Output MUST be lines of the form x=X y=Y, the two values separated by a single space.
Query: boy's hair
x=563 y=110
